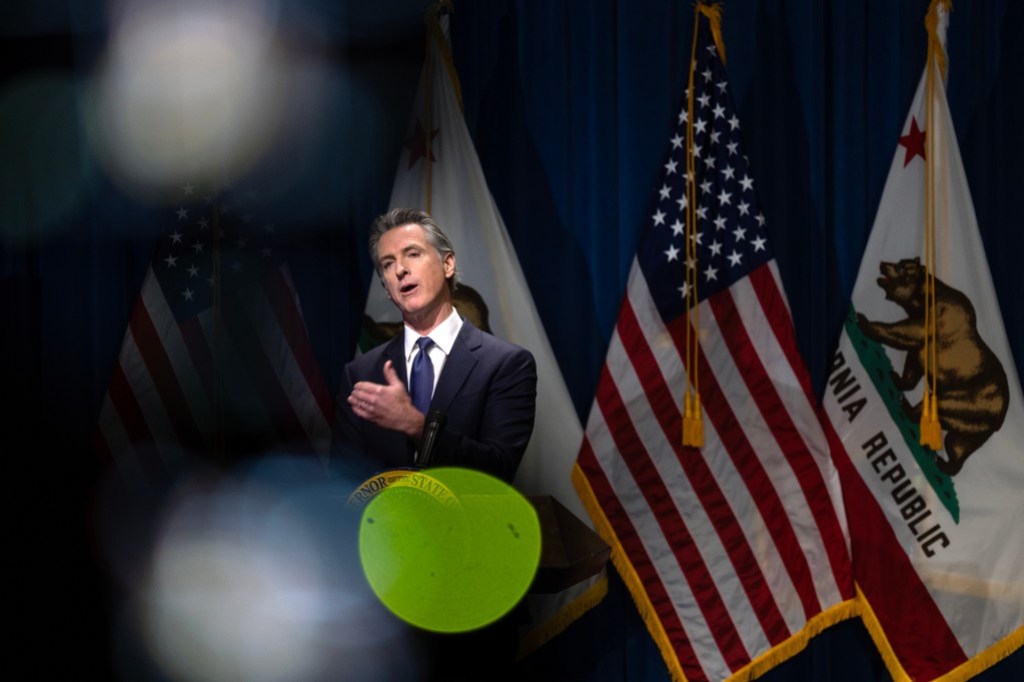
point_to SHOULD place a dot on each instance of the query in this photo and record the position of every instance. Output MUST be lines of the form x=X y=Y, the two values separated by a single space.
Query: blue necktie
x=422 y=376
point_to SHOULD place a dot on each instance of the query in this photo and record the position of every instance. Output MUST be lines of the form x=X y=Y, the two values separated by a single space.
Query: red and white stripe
x=165 y=392
x=738 y=544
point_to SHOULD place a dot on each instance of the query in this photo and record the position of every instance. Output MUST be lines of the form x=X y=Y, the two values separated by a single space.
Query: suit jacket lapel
x=395 y=352
x=457 y=367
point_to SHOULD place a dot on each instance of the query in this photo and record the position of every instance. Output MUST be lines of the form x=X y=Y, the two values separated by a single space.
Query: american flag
x=216 y=362
x=735 y=552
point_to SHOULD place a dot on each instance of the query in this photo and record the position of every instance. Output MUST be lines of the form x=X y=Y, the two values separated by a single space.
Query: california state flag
x=439 y=172
x=937 y=534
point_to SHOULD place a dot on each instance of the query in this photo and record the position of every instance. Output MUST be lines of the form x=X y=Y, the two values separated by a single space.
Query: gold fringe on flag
x=931 y=428
x=620 y=559
x=774 y=656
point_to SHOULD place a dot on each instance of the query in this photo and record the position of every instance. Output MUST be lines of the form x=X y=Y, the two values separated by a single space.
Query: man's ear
x=449 y=265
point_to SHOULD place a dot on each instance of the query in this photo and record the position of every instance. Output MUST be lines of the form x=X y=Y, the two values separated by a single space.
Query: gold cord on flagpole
x=931 y=428
x=693 y=419
x=689 y=265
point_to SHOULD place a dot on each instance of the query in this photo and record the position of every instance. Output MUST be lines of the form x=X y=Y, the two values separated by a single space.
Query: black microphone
x=431 y=429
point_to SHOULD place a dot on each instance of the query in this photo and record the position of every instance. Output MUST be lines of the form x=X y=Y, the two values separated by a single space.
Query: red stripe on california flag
x=712 y=499
x=874 y=538
x=766 y=286
x=672 y=526
x=634 y=551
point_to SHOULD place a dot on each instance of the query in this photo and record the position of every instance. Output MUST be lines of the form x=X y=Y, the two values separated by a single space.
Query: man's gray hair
x=397 y=217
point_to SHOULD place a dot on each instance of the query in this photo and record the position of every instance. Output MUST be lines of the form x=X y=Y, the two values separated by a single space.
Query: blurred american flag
x=216 y=361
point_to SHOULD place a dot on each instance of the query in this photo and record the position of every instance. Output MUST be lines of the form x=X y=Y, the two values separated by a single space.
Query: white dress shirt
x=443 y=337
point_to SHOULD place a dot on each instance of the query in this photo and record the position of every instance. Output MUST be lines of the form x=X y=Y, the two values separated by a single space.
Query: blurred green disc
x=451 y=550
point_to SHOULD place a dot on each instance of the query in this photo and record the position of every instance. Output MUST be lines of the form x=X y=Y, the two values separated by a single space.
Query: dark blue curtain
x=570 y=104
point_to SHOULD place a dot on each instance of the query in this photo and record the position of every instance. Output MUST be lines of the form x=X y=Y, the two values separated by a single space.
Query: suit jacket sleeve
x=359 y=448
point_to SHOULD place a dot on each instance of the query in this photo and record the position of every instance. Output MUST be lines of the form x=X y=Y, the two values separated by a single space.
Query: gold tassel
x=931 y=429
x=697 y=430
x=693 y=421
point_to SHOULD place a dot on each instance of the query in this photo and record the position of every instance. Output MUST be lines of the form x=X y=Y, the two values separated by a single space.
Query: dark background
x=571 y=106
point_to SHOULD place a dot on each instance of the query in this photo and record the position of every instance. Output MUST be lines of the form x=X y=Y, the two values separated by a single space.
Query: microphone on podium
x=431 y=429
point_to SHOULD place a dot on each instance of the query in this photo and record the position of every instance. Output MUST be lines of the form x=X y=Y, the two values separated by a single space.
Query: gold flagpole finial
x=436 y=7
x=713 y=12
x=936 y=50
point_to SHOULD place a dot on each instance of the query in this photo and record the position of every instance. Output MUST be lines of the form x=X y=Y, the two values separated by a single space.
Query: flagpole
x=690 y=265
x=433 y=33
x=427 y=99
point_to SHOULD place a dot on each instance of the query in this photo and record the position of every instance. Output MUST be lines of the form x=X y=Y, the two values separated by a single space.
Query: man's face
x=414 y=275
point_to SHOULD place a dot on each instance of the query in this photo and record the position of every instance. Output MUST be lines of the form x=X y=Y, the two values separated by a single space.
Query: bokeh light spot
x=187 y=91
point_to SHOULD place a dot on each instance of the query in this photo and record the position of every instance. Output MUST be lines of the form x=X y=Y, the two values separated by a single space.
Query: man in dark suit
x=485 y=386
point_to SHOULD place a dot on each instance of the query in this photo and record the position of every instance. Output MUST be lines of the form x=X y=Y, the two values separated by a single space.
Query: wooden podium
x=570 y=551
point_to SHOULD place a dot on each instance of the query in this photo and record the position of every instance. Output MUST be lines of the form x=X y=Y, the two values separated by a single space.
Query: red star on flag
x=913 y=141
x=417 y=143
